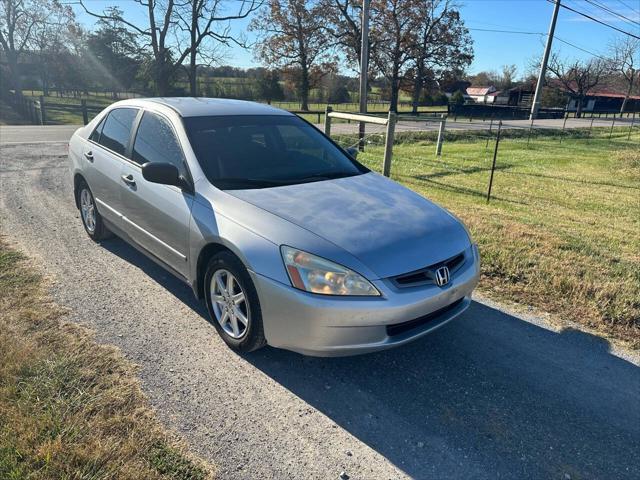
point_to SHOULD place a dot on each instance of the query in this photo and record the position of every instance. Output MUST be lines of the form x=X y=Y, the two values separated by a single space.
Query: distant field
x=562 y=231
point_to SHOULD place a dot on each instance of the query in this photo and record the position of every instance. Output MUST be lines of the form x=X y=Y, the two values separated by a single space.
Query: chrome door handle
x=129 y=180
x=88 y=155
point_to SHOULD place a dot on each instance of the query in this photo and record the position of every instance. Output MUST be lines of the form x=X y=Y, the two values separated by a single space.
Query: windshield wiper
x=246 y=182
x=239 y=183
x=326 y=176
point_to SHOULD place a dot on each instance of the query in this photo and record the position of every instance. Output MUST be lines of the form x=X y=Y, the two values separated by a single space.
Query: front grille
x=426 y=275
x=400 y=328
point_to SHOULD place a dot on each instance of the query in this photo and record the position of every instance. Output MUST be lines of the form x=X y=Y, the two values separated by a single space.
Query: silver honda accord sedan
x=288 y=239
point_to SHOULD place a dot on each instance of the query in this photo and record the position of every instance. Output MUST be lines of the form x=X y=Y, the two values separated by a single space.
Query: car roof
x=197 y=107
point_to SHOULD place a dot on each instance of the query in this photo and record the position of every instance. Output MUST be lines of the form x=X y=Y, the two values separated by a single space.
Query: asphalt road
x=488 y=396
x=62 y=133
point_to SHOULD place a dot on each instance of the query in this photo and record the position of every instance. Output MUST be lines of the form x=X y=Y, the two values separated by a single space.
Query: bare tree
x=578 y=77
x=166 y=20
x=508 y=76
x=204 y=18
x=441 y=43
x=291 y=36
x=394 y=26
x=18 y=21
x=344 y=25
x=625 y=54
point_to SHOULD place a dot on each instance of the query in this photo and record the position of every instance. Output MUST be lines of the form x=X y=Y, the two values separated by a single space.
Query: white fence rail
x=389 y=121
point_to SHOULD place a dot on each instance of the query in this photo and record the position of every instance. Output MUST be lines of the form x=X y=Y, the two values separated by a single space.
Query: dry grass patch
x=629 y=161
x=70 y=408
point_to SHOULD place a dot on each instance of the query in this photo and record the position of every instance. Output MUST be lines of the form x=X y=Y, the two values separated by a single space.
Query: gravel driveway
x=488 y=396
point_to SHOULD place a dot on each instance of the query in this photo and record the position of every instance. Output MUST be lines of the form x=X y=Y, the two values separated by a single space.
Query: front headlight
x=316 y=275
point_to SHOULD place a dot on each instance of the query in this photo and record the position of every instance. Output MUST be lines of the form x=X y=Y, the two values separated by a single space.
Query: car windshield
x=262 y=151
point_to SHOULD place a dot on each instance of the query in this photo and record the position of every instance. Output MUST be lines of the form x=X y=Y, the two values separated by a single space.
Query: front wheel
x=233 y=303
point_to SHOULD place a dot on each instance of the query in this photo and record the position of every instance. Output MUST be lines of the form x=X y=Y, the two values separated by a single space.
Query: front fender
x=256 y=252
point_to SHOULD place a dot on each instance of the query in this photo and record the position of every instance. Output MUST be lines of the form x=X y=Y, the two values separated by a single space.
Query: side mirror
x=353 y=151
x=164 y=173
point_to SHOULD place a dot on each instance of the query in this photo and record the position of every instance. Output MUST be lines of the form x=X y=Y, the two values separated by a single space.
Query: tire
x=91 y=218
x=240 y=337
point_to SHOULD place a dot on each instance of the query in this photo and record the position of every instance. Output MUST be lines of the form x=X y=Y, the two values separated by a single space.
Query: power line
x=542 y=34
x=504 y=31
x=612 y=12
x=596 y=20
x=627 y=5
x=580 y=48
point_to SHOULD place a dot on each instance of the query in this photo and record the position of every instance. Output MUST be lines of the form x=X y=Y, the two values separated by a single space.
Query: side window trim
x=132 y=138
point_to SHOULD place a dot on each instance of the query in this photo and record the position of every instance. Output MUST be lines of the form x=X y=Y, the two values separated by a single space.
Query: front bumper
x=336 y=326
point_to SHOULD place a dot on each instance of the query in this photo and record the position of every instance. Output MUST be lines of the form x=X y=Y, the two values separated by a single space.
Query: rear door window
x=117 y=129
x=156 y=142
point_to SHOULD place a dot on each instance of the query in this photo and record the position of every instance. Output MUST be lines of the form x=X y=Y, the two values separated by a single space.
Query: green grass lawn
x=562 y=230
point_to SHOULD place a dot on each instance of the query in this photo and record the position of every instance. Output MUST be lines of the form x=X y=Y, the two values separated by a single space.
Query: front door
x=157 y=216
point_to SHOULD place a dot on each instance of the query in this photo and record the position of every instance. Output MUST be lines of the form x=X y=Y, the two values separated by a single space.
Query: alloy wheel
x=88 y=210
x=230 y=304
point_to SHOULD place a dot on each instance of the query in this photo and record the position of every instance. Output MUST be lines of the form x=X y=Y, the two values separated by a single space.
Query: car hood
x=388 y=227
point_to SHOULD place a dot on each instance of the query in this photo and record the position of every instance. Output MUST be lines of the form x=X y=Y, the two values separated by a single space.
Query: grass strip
x=71 y=408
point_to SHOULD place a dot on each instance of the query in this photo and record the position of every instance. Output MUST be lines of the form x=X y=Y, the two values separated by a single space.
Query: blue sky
x=492 y=50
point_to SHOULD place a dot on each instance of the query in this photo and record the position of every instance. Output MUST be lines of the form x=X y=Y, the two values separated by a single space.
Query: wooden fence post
x=633 y=119
x=327 y=120
x=43 y=111
x=85 y=114
x=388 y=146
x=493 y=165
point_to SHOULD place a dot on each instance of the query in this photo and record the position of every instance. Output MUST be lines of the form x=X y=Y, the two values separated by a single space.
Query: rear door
x=104 y=157
x=157 y=216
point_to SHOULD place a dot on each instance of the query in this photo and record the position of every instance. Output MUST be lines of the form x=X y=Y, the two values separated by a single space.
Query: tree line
x=413 y=44
x=305 y=44
x=421 y=47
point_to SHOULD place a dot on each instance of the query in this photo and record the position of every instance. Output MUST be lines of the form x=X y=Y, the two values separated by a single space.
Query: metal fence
x=456 y=155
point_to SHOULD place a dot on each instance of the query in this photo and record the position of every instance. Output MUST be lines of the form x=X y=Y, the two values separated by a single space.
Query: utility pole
x=364 y=68
x=545 y=60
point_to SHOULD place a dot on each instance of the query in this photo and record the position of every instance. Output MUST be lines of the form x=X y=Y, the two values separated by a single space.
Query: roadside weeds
x=69 y=407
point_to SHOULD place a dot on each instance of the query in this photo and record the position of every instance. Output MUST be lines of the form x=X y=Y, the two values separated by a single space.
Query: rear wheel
x=233 y=303
x=91 y=219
